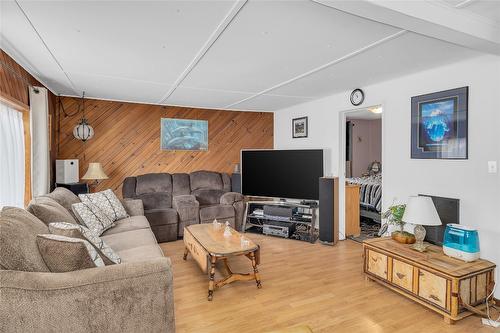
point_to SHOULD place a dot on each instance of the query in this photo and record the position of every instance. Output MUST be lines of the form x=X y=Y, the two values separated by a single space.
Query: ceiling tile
x=272 y=41
x=404 y=55
x=269 y=103
x=102 y=87
x=143 y=40
x=20 y=41
x=206 y=98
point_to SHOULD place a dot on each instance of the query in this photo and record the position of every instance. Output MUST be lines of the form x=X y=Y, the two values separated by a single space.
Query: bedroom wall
x=468 y=180
x=366 y=144
x=127 y=138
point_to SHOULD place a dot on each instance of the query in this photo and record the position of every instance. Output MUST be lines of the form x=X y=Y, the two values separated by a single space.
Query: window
x=12 y=157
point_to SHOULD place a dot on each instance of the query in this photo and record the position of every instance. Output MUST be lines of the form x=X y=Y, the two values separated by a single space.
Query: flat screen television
x=289 y=174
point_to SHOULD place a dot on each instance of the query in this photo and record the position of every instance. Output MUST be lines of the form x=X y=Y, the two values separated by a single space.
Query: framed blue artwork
x=184 y=134
x=439 y=125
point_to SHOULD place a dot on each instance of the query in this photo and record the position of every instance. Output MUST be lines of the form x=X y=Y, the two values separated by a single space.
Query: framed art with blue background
x=184 y=134
x=439 y=125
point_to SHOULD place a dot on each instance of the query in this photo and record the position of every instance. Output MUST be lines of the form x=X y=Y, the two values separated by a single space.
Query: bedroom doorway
x=361 y=166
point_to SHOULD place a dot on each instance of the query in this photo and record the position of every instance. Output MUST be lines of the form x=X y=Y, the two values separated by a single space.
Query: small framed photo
x=299 y=127
x=439 y=125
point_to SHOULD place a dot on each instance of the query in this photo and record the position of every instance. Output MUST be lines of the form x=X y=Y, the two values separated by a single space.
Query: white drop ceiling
x=237 y=55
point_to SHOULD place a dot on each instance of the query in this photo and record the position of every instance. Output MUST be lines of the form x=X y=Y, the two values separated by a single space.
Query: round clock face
x=357 y=97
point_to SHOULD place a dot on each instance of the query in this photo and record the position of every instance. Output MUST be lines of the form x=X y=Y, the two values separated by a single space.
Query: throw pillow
x=107 y=202
x=79 y=231
x=66 y=254
x=48 y=210
x=92 y=217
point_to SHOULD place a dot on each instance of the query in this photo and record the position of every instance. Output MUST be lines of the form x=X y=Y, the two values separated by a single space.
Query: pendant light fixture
x=83 y=131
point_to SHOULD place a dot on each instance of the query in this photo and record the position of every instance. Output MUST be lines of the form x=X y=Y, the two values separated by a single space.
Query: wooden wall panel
x=127 y=138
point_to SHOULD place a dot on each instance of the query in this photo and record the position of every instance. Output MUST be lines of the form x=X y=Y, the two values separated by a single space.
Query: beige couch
x=134 y=296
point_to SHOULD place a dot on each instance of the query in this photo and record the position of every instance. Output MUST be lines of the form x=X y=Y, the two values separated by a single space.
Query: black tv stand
x=301 y=225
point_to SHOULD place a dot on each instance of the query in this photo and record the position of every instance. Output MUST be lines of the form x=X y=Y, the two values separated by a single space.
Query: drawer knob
x=400 y=275
x=435 y=298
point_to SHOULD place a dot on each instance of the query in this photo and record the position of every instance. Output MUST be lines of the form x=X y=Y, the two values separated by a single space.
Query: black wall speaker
x=329 y=210
x=236 y=182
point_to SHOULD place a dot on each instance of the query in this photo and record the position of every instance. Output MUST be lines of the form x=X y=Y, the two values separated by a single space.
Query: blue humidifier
x=461 y=242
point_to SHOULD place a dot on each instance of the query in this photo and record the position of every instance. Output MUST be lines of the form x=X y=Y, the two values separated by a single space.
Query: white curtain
x=12 y=172
x=40 y=156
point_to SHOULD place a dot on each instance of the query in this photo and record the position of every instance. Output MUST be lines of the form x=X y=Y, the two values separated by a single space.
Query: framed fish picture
x=439 y=125
x=184 y=134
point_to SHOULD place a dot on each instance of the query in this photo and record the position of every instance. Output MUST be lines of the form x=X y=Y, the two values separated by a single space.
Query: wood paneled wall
x=14 y=83
x=127 y=138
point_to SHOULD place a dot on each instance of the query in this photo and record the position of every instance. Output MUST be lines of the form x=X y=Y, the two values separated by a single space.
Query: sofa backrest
x=157 y=189
x=19 y=250
x=154 y=189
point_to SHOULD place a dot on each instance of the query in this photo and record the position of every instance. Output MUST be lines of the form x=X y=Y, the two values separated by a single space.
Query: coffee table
x=208 y=244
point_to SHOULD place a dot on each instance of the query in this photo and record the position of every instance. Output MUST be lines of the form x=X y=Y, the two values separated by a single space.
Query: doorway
x=360 y=170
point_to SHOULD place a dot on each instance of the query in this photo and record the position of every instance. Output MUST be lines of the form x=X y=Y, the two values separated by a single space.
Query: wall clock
x=357 y=97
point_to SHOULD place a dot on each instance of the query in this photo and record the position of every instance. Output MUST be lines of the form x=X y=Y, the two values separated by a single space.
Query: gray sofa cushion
x=49 y=210
x=67 y=254
x=130 y=239
x=180 y=184
x=128 y=224
x=18 y=249
x=153 y=182
x=219 y=212
x=206 y=179
x=141 y=253
x=156 y=200
x=64 y=197
x=208 y=196
x=161 y=216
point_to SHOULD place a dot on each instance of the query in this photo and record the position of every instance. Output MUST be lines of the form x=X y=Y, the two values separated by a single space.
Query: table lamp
x=420 y=211
x=96 y=173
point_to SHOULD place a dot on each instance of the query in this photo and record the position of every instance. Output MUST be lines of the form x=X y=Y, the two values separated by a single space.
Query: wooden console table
x=431 y=278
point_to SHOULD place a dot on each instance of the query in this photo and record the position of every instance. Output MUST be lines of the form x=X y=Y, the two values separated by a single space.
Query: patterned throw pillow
x=107 y=202
x=66 y=254
x=92 y=217
x=109 y=256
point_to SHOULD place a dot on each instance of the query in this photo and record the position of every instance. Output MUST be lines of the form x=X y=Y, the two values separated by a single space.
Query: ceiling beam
x=208 y=44
x=328 y=64
x=429 y=18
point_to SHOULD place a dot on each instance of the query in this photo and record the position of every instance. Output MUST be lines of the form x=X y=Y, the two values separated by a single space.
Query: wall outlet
x=492 y=166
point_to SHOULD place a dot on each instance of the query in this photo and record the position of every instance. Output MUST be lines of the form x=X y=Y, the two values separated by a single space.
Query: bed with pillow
x=370 y=195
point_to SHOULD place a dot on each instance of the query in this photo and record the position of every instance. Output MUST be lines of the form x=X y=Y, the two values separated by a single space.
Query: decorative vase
x=403 y=237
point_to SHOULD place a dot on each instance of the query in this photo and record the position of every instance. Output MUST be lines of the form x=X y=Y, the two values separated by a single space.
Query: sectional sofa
x=134 y=296
x=173 y=201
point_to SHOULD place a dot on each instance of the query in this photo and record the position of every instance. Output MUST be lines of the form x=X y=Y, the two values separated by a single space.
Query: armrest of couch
x=230 y=198
x=187 y=207
x=134 y=207
x=129 y=297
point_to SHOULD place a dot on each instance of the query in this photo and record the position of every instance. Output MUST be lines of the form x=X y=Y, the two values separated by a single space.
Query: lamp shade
x=95 y=172
x=421 y=210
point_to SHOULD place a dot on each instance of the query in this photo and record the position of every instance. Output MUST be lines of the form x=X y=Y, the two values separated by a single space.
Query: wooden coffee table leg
x=211 y=283
x=255 y=270
x=186 y=251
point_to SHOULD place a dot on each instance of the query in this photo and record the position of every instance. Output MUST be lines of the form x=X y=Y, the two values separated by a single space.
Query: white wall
x=468 y=180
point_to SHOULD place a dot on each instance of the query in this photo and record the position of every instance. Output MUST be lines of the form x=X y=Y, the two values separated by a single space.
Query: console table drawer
x=402 y=275
x=377 y=264
x=432 y=288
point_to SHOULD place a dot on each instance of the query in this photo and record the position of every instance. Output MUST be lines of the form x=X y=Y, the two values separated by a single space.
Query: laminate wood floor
x=302 y=283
